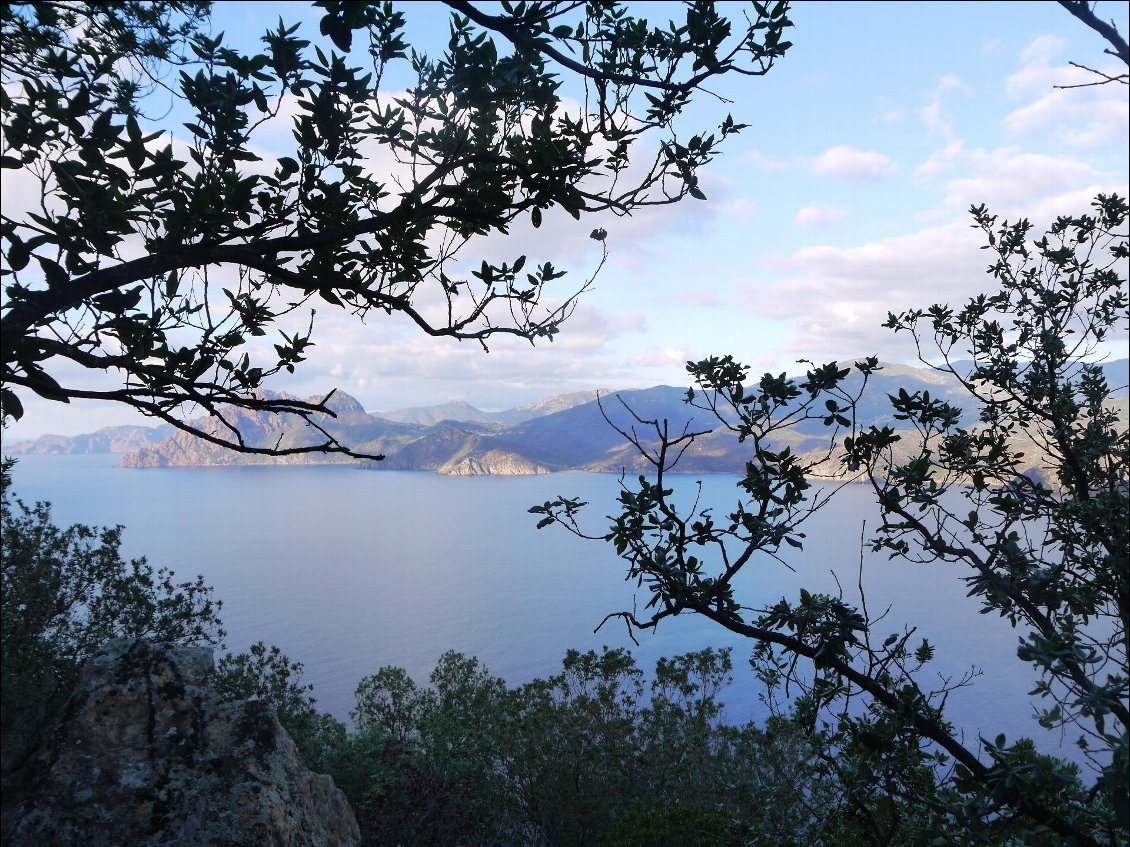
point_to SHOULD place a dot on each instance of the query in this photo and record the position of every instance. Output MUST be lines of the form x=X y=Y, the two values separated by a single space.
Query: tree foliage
x=580 y=758
x=1046 y=551
x=166 y=258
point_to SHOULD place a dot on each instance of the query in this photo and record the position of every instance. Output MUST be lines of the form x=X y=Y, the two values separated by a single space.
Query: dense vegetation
x=865 y=754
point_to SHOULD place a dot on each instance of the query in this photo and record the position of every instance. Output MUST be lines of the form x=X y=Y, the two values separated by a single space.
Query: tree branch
x=1084 y=12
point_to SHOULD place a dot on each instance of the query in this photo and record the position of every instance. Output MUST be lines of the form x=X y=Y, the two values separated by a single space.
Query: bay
x=348 y=571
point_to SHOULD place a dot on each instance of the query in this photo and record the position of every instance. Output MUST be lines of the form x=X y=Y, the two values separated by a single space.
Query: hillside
x=563 y=432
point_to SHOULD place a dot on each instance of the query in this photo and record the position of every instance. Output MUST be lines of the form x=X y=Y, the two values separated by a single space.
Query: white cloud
x=1090 y=117
x=992 y=47
x=817 y=217
x=766 y=163
x=740 y=207
x=1042 y=49
x=941 y=162
x=932 y=116
x=933 y=113
x=1011 y=181
x=661 y=357
x=1080 y=117
x=387 y=363
x=836 y=299
x=853 y=165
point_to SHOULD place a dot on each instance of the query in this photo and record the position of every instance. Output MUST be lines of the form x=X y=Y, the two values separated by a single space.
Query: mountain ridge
x=556 y=433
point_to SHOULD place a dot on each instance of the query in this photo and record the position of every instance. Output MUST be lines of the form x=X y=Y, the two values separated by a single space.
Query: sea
x=348 y=571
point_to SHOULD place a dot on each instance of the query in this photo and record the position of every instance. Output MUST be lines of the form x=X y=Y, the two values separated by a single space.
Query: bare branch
x=1084 y=11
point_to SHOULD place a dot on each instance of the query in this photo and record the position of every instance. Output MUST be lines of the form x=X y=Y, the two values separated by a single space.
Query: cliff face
x=148 y=754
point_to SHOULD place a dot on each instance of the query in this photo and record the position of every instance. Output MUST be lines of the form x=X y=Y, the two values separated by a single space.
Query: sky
x=846 y=197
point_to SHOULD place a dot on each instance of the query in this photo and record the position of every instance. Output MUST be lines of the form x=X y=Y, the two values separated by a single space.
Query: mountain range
x=562 y=432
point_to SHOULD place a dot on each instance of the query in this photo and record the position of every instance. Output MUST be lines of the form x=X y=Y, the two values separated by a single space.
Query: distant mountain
x=579 y=436
x=109 y=439
x=548 y=406
x=440 y=445
x=462 y=412
x=564 y=432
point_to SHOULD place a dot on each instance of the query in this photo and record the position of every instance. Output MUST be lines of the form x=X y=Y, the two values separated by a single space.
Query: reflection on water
x=347 y=571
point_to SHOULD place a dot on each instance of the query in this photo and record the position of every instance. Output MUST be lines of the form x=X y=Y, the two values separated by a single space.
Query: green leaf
x=118 y=302
x=10 y=404
x=52 y=272
x=19 y=253
x=135 y=154
x=45 y=386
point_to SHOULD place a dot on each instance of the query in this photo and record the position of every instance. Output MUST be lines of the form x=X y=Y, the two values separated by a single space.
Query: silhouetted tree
x=163 y=260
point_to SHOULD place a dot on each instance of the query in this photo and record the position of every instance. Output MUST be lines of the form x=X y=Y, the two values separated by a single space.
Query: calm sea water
x=348 y=571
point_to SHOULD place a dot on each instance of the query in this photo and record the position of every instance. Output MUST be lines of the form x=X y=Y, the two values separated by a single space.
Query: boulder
x=148 y=754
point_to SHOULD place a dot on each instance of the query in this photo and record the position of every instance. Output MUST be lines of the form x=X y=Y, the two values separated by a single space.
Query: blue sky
x=846 y=197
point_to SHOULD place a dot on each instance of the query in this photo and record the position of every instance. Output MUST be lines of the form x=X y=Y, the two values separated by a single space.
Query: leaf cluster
x=170 y=253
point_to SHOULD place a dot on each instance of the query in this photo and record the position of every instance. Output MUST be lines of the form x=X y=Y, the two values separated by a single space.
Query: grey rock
x=148 y=754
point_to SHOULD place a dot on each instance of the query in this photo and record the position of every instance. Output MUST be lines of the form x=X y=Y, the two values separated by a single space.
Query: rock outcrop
x=148 y=754
x=492 y=462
